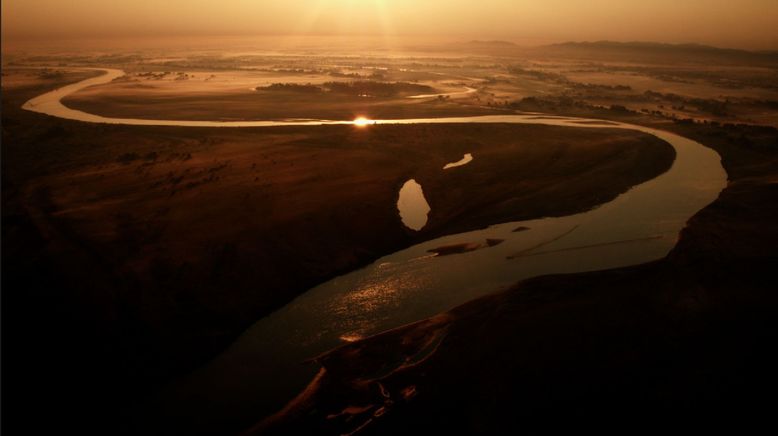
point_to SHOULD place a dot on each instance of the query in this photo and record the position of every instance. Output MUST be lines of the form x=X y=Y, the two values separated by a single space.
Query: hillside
x=696 y=53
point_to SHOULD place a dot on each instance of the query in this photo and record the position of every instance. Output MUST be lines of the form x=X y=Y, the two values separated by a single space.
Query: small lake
x=464 y=161
x=412 y=205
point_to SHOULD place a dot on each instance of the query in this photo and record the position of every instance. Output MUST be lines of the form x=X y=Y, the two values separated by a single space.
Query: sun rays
x=349 y=19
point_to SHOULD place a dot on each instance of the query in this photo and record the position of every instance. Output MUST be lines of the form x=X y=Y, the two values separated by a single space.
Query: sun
x=362 y=122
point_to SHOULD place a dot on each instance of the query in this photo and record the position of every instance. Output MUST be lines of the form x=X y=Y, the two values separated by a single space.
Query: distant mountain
x=661 y=51
x=649 y=46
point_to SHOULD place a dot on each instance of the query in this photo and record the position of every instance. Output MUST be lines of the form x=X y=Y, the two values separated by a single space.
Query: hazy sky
x=731 y=23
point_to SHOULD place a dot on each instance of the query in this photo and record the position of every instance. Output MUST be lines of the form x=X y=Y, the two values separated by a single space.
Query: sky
x=751 y=24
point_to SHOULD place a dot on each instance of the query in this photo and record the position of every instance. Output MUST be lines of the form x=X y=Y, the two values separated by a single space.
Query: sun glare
x=362 y=122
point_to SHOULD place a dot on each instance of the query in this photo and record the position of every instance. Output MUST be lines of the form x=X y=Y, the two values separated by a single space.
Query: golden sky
x=729 y=23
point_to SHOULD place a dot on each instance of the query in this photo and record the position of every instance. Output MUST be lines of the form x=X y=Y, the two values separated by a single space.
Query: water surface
x=464 y=161
x=412 y=205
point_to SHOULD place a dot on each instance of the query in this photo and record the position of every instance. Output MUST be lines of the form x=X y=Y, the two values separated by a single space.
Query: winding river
x=262 y=368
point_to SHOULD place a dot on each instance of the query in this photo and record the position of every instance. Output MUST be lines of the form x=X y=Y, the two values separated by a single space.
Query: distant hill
x=650 y=46
x=662 y=52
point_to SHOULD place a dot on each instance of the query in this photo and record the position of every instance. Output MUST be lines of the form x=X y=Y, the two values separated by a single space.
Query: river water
x=412 y=205
x=262 y=369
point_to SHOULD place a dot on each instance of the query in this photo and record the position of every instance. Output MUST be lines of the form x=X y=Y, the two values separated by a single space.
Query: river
x=262 y=368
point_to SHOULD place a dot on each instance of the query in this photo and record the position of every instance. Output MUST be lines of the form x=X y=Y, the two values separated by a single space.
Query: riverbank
x=121 y=96
x=678 y=344
x=133 y=100
x=143 y=251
